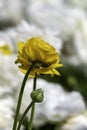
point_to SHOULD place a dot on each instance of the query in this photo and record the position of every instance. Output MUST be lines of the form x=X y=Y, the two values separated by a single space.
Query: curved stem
x=34 y=83
x=33 y=107
x=31 y=117
x=20 y=96
x=24 y=114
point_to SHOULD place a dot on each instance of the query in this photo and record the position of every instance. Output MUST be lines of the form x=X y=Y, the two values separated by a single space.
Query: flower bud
x=37 y=95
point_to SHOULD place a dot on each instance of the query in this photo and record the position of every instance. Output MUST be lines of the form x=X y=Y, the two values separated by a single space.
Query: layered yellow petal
x=44 y=56
x=20 y=46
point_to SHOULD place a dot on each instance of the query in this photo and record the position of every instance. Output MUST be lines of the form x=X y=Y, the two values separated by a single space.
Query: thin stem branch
x=34 y=83
x=20 y=96
x=33 y=108
x=31 y=117
x=24 y=114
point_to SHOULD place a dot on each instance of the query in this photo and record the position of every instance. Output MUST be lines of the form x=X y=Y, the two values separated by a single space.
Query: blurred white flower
x=9 y=73
x=78 y=122
x=75 y=50
x=8 y=127
x=51 y=2
x=10 y=11
x=55 y=16
x=77 y=3
x=57 y=104
x=80 y=41
x=6 y=111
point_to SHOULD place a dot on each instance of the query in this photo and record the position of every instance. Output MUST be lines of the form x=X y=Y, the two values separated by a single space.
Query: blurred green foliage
x=72 y=78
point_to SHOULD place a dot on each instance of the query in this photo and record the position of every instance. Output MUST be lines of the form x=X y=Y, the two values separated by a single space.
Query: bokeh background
x=62 y=23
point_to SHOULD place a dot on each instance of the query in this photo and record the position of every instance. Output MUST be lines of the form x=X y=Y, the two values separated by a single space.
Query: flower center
x=38 y=64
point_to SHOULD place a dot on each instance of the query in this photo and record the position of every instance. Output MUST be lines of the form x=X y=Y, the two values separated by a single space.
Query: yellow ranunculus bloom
x=5 y=49
x=44 y=55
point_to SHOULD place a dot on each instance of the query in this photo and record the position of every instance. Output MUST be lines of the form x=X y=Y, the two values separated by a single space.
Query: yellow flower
x=44 y=55
x=5 y=49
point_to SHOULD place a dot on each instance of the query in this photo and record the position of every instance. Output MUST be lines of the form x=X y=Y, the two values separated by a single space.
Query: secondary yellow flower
x=44 y=55
x=5 y=49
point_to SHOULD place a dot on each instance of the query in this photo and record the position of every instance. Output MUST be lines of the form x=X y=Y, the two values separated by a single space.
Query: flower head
x=44 y=56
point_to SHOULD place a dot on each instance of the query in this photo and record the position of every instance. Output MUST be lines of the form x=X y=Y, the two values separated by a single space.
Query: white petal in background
x=9 y=83
x=77 y=47
x=78 y=122
x=6 y=111
x=11 y=11
x=55 y=16
x=77 y=3
x=9 y=72
x=80 y=39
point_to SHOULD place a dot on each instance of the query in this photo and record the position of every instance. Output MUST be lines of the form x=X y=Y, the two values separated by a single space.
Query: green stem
x=24 y=114
x=34 y=83
x=20 y=96
x=31 y=117
x=33 y=108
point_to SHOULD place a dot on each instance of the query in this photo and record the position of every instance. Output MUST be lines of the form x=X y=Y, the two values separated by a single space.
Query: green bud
x=37 y=95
